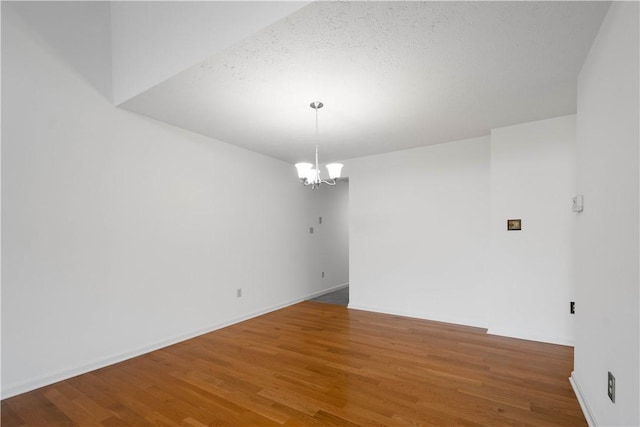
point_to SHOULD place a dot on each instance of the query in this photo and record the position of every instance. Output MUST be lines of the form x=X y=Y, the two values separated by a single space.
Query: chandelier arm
x=332 y=182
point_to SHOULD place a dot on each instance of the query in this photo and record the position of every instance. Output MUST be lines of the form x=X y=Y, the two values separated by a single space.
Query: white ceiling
x=392 y=76
x=154 y=40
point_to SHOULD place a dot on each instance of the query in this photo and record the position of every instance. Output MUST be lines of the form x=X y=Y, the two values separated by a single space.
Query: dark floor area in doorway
x=340 y=297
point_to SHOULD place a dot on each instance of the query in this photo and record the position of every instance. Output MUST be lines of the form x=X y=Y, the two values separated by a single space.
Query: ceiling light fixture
x=306 y=172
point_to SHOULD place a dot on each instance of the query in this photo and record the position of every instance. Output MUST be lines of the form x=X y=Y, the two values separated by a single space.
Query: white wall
x=533 y=179
x=607 y=254
x=89 y=55
x=154 y=40
x=329 y=243
x=428 y=231
x=122 y=234
x=419 y=228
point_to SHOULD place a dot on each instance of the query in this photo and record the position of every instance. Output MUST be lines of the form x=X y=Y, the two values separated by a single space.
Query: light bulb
x=334 y=170
x=303 y=169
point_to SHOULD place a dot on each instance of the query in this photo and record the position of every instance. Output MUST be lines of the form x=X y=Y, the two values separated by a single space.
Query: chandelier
x=310 y=175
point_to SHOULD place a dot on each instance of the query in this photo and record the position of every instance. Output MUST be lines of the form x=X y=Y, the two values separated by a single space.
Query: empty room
x=319 y=213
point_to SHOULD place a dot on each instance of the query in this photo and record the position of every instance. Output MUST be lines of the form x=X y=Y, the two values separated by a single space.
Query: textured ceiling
x=392 y=75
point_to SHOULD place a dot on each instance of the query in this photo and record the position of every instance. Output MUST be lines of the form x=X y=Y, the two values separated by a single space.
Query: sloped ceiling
x=392 y=76
x=155 y=40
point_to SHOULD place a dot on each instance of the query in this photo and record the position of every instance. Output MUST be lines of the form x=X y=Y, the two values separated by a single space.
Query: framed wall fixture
x=514 y=224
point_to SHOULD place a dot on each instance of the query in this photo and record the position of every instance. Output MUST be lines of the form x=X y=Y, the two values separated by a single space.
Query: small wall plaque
x=514 y=224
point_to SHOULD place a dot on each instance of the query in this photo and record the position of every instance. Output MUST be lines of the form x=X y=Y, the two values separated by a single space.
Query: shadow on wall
x=58 y=25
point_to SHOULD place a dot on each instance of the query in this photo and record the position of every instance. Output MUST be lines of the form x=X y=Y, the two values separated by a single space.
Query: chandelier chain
x=307 y=173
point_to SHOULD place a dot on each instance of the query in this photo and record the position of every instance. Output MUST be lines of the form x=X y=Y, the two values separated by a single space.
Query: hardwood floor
x=315 y=364
x=340 y=297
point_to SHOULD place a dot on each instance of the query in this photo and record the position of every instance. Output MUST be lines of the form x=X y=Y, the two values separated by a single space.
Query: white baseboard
x=23 y=387
x=582 y=400
x=328 y=290
x=467 y=322
x=407 y=313
x=531 y=337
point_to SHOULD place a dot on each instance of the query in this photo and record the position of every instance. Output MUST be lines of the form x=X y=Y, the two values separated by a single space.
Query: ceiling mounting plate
x=316 y=105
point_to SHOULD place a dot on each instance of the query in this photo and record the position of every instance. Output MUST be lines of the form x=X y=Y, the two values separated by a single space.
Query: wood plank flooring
x=315 y=364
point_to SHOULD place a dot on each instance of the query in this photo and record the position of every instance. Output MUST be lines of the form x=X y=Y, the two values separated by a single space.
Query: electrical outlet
x=323 y=274
x=572 y=307
x=319 y=220
x=239 y=293
x=310 y=230
x=611 y=387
